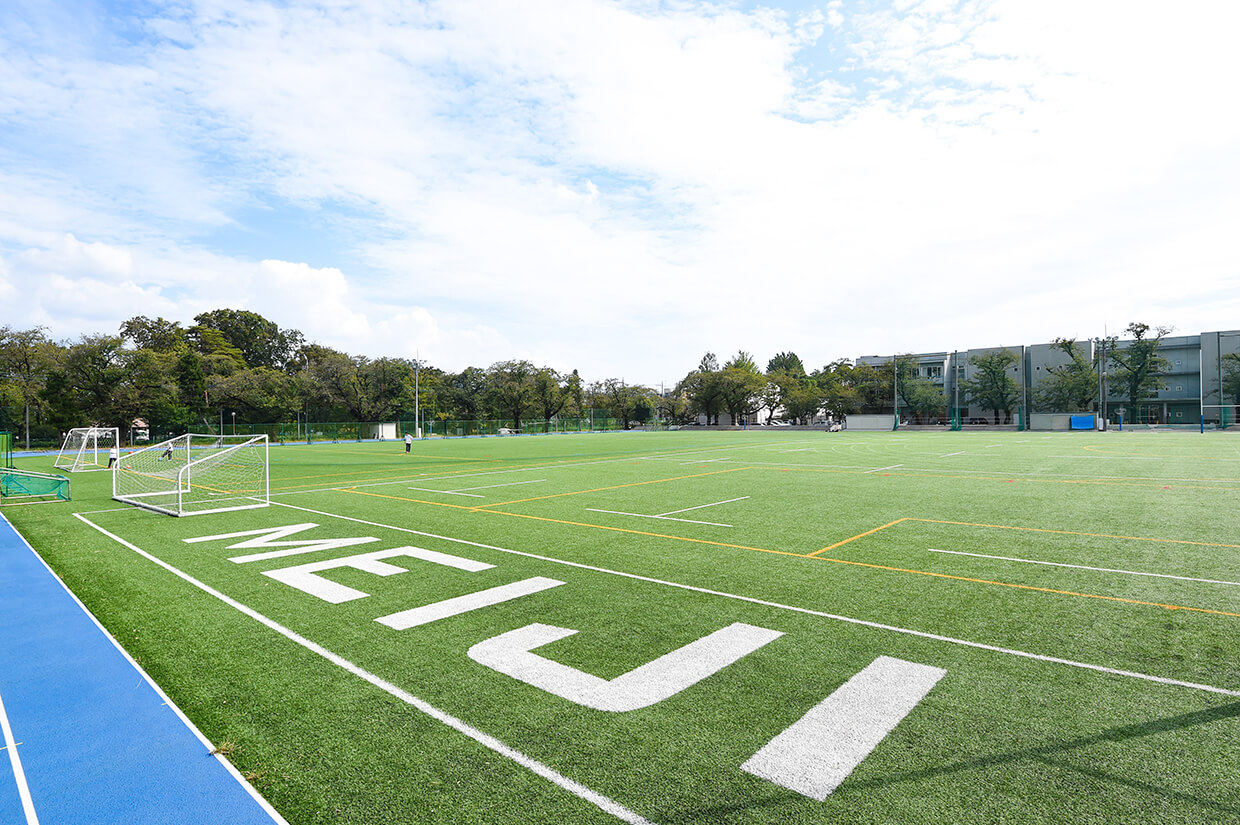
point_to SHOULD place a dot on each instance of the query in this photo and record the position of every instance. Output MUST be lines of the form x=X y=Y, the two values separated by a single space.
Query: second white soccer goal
x=86 y=448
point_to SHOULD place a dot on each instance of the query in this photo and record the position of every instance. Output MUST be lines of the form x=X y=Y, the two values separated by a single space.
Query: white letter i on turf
x=818 y=752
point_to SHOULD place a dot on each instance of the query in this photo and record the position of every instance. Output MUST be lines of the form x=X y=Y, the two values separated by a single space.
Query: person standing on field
x=408 y=442
x=113 y=455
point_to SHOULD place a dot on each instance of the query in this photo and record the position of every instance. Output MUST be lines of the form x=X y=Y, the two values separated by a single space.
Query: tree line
x=178 y=378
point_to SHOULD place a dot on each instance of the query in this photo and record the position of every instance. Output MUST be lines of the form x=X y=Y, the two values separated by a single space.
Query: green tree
x=704 y=390
x=1231 y=377
x=741 y=386
x=261 y=342
x=464 y=394
x=1068 y=387
x=1136 y=368
x=788 y=362
x=919 y=394
x=26 y=358
x=259 y=395
x=992 y=385
x=674 y=406
x=160 y=334
x=510 y=389
x=845 y=388
x=624 y=401
x=550 y=393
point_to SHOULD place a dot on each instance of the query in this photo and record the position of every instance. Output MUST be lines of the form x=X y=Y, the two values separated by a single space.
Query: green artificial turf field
x=919 y=628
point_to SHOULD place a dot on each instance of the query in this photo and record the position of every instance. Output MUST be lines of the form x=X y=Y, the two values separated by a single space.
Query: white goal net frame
x=194 y=474
x=87 y=448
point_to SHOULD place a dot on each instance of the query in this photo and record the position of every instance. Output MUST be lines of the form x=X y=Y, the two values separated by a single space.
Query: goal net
x=86 y=448
x=1222 y=416
x=194 y=474
x=31 y=486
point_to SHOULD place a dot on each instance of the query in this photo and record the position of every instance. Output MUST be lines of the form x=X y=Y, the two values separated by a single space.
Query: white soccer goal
x=86 y=448
x=194 y=474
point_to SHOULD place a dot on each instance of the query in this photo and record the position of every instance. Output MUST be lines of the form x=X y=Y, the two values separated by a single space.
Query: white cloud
x=619 y=187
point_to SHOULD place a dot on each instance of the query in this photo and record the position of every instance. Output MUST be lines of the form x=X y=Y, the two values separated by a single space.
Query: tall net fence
x=194 y=474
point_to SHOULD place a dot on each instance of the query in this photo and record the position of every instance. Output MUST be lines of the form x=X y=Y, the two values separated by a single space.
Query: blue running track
x=97 y=742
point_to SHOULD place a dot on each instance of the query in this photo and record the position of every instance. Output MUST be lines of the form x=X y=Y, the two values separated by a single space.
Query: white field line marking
x=949 y=455
x=988 y=446
x=673 y=456
x=819 y=751
x=1038 y=657
x=23 y=790
x=705 y=461
x=990 y=472
x=1083 y=567
x=206 y=743
x=576 y=788
x=428 y=613
x=446 y=492
x=660 y=518
x=879 y=469
x=508 y=484
x=700 y=506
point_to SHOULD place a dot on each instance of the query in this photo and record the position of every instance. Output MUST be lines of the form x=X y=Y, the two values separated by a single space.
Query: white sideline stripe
x=23 y=790
x=576 y=788
x=446 y=492
x=426 y=614
x=705 y=461
x=660 y=518
x=219 y=757
x=1037 y=657
x=700 y=506
x=507 y=484
x=877 y=469
x=949 y=455
x=1083 y=567
x=819 y=751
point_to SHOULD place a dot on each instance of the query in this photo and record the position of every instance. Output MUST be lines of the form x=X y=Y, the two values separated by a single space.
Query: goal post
x=87 y=448
x=193 y=474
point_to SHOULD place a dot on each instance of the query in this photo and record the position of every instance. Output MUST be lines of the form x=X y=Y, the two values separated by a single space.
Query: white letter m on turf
x=268 y=537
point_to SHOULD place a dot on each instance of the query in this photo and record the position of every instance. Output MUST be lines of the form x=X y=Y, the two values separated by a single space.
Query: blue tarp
x=1082 y=422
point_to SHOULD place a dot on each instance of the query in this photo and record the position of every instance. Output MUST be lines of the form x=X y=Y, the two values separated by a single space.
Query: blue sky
x=619 y=187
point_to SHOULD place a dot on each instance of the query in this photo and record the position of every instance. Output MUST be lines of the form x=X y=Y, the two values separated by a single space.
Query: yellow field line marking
x=815 y=557
x=1070 y=533
x=613 y=487
x=858 y=536
x=1028 y=587
x=643 y=533
x=357 y=492
x=469 y=469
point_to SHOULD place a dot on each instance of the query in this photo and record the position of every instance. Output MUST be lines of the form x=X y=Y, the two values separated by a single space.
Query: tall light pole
x=417 y=369
x=305 y=399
